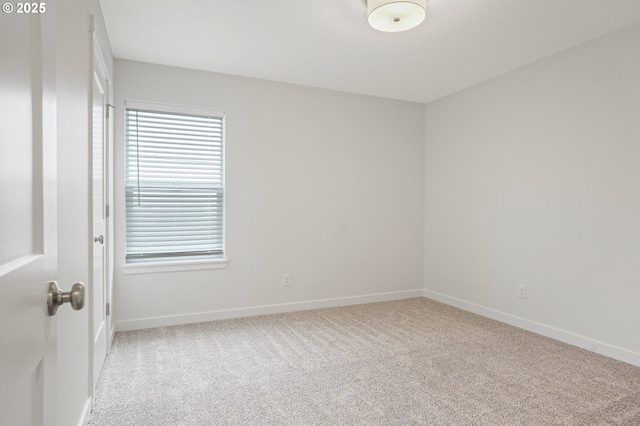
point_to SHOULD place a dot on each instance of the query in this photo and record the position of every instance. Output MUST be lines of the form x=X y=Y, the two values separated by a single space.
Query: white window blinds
x=174 y=185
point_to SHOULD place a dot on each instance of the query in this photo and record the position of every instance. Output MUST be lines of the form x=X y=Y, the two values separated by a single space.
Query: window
x=174 y=183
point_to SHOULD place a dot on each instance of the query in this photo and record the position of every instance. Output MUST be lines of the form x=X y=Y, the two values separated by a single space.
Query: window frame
x=186 y=264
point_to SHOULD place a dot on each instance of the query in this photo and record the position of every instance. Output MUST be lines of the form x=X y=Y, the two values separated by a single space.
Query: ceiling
x=328 y=43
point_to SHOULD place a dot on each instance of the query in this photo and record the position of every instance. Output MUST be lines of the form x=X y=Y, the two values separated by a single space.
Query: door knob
x=57 y=297
x=99 y=239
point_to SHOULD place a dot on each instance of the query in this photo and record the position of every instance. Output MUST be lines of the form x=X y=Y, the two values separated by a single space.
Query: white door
x=98 y=288
x=28 y=238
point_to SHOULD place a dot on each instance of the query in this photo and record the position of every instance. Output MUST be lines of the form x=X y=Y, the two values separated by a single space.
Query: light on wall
x=396 y=15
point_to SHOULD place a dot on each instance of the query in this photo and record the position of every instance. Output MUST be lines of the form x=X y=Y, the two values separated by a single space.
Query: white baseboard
x=138 y=324
x=86 y=411
x=587 y=343
x=112 y=329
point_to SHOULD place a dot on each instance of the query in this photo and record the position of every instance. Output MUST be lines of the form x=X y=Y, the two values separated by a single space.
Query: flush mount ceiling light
x=396 y=15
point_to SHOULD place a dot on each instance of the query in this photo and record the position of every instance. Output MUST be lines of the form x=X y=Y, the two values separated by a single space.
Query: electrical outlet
x=522 y=294
x=286 y=280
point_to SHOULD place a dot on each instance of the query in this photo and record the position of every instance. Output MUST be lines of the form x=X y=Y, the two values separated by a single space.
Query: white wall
x=533 y=178
x=324 y=185
x=74 y=239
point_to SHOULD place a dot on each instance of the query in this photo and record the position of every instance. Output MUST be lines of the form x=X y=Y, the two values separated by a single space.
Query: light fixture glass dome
x=394 y=15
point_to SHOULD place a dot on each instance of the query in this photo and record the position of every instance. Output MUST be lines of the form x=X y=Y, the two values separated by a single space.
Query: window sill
x=177 y=266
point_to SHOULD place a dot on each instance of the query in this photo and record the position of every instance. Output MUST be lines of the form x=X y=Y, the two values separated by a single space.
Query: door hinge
x=107 y=106
x=106 y=210
x=108 y=309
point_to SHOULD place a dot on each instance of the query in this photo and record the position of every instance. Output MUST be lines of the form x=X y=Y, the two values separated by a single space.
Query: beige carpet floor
x=409 y=362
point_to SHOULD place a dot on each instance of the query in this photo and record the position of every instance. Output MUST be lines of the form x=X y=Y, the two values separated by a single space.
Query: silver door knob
x=57 y=297
x=99 y=239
